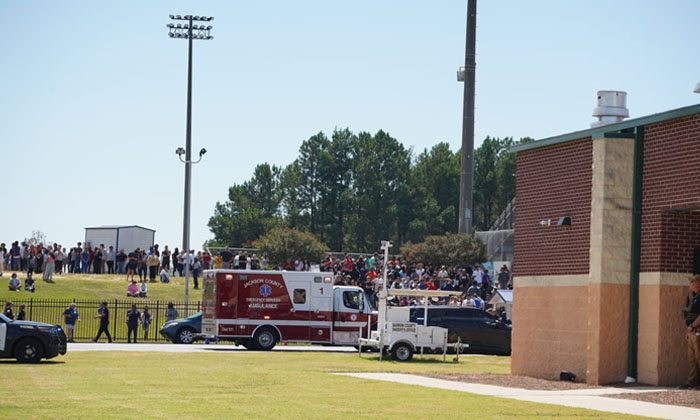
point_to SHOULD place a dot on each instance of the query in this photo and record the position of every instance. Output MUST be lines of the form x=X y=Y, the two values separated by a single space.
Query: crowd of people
x=476 y=284
x=47 y=261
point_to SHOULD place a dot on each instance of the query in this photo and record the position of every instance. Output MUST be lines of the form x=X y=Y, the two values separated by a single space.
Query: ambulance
x=258 y=309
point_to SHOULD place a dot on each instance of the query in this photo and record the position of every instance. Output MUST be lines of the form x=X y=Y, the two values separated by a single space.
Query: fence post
x=31 y=307
x=157 y=317
x=114 y=321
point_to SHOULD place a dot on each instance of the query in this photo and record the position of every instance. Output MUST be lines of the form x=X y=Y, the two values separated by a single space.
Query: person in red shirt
x=206 y=260
x=347 y=265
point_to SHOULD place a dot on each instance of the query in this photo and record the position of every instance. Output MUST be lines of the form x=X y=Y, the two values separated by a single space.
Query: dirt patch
x=686 y=398
x=523 y=382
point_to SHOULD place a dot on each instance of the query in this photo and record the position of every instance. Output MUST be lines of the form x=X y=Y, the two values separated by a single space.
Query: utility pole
x=188 y=31
x=467 y=74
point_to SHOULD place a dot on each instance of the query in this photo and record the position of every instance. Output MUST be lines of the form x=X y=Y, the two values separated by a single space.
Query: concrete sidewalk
x=592 y=398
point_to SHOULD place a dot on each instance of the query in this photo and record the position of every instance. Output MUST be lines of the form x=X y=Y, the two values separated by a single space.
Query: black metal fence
x=50 y=311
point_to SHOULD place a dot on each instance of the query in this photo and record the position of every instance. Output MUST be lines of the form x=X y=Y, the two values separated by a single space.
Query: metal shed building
x=127 y=238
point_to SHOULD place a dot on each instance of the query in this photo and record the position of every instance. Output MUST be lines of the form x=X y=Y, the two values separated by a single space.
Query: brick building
x=602 y=296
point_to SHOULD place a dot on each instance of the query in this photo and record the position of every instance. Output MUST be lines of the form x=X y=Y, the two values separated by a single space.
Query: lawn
x=91 y=286
x=277 y=385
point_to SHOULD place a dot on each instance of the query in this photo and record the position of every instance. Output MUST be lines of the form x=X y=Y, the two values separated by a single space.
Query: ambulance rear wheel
x=265 y=339
x=402 y=352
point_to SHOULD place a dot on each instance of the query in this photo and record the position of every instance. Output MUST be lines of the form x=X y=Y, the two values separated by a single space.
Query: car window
x=435 y=315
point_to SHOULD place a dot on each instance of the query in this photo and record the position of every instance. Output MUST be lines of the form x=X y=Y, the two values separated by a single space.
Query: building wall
x=571 y=295
x=551 y=262
x=552 y=182
x=95 y=237
x=131 y=238
x=670 y=233
x=550 y=326
x=671 y=181
x=661 y=354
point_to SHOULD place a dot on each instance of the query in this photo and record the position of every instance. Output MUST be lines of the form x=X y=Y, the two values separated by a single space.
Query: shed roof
x=505 y=296
x=119 y=227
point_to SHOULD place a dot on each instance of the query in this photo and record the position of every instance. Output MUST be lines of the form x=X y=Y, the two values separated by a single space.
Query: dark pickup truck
x=29 y=342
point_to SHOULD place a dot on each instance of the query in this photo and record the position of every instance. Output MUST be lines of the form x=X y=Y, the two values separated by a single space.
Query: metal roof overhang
x=600 y=132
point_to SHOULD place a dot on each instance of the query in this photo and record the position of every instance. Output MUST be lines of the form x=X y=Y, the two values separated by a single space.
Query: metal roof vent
x=611 y=109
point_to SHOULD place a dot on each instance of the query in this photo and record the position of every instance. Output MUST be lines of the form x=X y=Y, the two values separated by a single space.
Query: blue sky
x=94 y=93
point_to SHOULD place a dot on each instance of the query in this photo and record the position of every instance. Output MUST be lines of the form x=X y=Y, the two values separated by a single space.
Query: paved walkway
x=591 y=398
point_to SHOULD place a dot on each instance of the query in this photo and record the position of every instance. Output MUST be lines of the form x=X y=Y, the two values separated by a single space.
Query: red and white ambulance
x=258 y=309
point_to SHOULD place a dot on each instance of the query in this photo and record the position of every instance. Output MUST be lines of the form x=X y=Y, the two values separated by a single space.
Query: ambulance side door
x=348 y=316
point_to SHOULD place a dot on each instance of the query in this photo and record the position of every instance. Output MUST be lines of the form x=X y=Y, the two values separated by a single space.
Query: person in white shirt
x=477 y=275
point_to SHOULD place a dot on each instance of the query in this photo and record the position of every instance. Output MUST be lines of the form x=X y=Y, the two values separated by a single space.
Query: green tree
x=505 y=171
x=452 y=249
x=313 y=157
x=251 y=210
x=262 y=190
x=280 y=245
x=293 y=208
x=336 y=196
x=380 y=167
x=485 y=190
x=434 y=186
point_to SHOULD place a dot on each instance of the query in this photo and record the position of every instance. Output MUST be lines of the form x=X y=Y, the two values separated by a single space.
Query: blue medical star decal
x=265 y=290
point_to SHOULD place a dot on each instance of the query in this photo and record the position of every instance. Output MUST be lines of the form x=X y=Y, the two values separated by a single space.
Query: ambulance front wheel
x=265 y=339
x=402 y=352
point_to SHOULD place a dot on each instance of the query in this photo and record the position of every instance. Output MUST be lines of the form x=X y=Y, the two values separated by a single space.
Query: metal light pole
x=467 y=74
x=188 y=31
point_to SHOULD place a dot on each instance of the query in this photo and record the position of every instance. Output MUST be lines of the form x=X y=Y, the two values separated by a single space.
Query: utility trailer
x=395 y=332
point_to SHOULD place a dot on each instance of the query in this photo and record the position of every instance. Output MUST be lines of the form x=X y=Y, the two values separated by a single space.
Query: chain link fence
x=50 y=311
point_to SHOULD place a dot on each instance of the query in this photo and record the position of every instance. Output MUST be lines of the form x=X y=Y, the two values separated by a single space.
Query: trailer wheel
x=402 y=352
x=265 y=339
x=29 y=350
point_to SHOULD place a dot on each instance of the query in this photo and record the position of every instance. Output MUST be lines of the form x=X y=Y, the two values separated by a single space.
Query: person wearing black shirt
x=21 y=316
x=692 y=321
x=132 y=322
x=176 y=264
x=254 y=262
x=8 y=310
x=242 y=261
x=97 y=261
x=166 y=259
x=131 y=265
x=121 y=261
x=226 y=258
x=103 y=315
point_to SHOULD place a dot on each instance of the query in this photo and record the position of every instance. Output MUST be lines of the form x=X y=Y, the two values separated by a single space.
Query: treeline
x=353 y=190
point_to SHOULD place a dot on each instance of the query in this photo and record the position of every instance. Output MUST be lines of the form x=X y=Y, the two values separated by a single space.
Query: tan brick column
x=609 y=273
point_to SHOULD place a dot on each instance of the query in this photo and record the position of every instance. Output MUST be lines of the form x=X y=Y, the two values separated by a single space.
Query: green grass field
x=90 y=286
x=222 y=385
